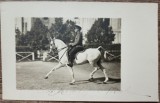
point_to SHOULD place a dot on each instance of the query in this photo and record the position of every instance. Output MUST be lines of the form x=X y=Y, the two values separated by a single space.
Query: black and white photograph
x=79 y=51
x=68 y=53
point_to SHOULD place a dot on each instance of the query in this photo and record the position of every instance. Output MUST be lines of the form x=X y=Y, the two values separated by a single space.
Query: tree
x=18 y=36
x=36 y=38
x=100 y=32
x=38 y=35
x=62 y=31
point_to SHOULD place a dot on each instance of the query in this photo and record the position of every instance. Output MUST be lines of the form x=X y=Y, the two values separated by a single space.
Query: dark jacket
x=78 y=39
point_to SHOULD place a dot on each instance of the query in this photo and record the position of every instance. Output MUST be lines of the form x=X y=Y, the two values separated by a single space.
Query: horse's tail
x=101 y=49
x=105 y=55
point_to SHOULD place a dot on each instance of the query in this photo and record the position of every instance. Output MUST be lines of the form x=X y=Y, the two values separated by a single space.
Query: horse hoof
x=104 y=82
x=46 y=78
x=91 y=79
x=71 y=83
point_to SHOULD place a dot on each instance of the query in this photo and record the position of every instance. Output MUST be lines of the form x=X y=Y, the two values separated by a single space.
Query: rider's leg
x=70 y=57
x=72 y=54
x=70 y=63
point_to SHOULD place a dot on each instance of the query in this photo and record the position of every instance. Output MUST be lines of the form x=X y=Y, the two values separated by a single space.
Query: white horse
x=92 y=55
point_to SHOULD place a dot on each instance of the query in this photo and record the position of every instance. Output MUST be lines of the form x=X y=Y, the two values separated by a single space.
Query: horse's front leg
x=55 y=68
x=72 y=74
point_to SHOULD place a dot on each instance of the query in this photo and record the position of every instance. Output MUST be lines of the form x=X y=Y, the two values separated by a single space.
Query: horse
x=90 y=55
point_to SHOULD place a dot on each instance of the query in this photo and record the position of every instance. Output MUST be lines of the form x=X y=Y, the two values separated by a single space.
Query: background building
x=116 y=27
x=86 y=24
x=25 y=24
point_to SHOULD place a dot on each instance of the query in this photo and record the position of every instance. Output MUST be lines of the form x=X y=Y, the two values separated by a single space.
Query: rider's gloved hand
x=70 y=44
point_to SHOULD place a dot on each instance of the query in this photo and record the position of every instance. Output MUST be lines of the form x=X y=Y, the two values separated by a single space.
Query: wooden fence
x=20 y=56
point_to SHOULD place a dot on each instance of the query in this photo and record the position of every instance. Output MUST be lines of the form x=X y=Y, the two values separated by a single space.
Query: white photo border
x=139 y=48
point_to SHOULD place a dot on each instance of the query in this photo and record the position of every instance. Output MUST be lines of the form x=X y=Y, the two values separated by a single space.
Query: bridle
x=60 y=48
x=59 y=51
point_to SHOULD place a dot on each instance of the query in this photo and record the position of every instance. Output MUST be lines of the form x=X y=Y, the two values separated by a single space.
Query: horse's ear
x=50 y=38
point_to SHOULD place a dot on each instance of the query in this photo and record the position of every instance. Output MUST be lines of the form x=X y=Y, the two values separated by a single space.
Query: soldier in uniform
x=76 y=46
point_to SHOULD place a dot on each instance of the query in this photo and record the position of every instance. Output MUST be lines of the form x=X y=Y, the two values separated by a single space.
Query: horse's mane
x=60 y=42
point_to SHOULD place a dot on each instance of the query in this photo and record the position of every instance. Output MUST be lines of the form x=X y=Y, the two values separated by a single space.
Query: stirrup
x=70 y=64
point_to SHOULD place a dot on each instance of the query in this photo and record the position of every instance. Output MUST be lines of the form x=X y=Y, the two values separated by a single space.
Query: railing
x=48 y=57
x=25 y=56
x=29 y=55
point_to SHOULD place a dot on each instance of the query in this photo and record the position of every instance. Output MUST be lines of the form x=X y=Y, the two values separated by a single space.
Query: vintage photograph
x=56 y=53
x=63 y=51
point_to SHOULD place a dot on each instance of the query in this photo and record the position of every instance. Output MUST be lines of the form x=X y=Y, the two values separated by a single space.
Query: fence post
x=33 y=56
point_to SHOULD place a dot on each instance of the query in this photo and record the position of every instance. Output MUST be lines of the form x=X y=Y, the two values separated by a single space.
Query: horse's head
x=52 y=45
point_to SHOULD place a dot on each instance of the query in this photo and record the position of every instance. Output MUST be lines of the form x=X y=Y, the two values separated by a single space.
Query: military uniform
x=75 y=47
x=78 y=39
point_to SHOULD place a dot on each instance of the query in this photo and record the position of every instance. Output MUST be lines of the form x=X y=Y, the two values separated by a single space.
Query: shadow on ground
x=110 y=81
x=100 y=81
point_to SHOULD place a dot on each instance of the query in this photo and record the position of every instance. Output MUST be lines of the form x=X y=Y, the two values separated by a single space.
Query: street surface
x=30 y=76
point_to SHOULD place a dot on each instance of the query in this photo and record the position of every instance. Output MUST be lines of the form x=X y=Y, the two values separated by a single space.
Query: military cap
x=77 y=27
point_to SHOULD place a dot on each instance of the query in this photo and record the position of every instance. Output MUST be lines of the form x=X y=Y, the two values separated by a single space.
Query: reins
x=63 y=53
x=61 y=48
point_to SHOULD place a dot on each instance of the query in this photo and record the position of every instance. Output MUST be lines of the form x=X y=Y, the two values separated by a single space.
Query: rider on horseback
x=76 y=46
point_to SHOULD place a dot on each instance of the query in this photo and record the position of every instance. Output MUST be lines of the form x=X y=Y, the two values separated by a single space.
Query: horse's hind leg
x=93 y=72
x=104 y=72
x=106 y=77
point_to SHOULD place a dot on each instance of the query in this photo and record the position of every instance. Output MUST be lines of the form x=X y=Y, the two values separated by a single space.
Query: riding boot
x=70 y=63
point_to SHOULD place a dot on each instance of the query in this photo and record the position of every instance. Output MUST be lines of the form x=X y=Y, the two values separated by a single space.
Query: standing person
x=76 y=46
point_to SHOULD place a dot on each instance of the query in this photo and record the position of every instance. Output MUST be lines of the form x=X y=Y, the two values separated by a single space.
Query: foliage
x=62 y=31
x=38 y=37
x=100 y=32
